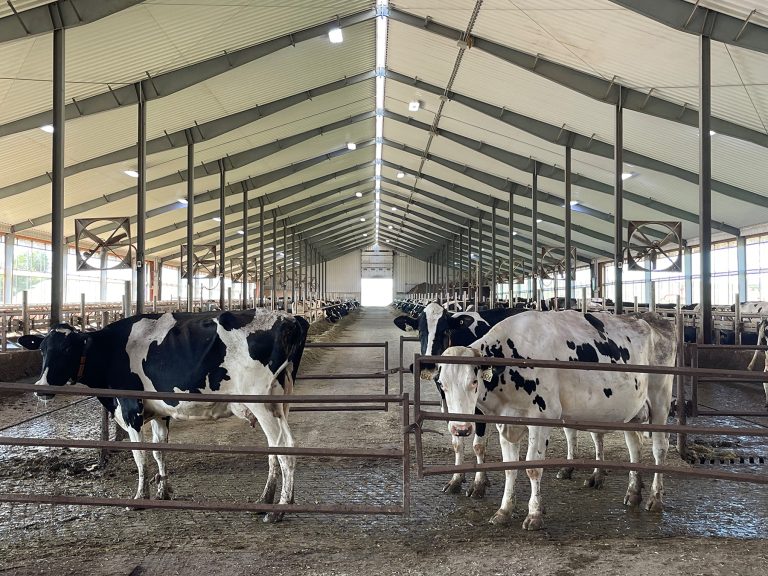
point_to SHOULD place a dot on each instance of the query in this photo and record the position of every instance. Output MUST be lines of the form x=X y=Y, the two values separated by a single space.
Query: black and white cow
x=439 y=329
x=762 y=340
x=645 y=339
x=249 y=352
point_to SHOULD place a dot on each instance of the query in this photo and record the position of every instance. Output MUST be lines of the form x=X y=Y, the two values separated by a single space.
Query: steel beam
x=705 y=186
x=190 y=227
x=618 y=168
x=141 y=201
x=567 y=206
x=57 y=188
x=222 y=244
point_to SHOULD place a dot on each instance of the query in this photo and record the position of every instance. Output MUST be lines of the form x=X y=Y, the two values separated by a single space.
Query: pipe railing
x=403 y=454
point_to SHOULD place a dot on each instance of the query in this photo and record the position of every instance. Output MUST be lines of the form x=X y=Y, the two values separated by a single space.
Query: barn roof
x=501 y=84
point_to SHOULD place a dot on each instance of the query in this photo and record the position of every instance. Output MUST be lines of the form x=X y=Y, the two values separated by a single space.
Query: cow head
x=460 y=384
x=62 y=349
x=434 y=325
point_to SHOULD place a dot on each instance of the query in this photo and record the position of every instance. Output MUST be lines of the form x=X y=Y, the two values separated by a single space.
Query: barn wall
x=344 y=275
x=409 y=271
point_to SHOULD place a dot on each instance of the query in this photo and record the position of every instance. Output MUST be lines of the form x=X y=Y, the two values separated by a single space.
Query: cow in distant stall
x=244 y=352
x=439 y=329
x=762 y=340
x=645 y=339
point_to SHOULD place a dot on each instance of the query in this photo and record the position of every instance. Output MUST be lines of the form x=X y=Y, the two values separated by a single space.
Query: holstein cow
x=551 y=393
x=762 y=340
x=437 y=330
x=249 y=352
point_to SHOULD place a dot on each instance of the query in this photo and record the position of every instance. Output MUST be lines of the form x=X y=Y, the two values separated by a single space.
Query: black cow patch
x=596 y=324
x=539 y=401
x=528 y=385
x=586 y=353
x=608 y=392
x=636 y=384
x=612 y=350
x=230 y=321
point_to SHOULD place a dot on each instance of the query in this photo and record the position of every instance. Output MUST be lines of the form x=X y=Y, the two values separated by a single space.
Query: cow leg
x=765 y=387
x=509 y=438
x=139 y=456
x=160 y=435
x=454 y=484
x=634 y=490
x=598 y=474
x=572 y=442
x=660 y=448
x=278 y=434
x=476 y=490
x=538 y=437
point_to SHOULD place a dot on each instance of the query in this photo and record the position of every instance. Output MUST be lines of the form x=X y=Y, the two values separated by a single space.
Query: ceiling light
x=362 y=219
x=131 y=173
x=514 y=233
x=364 y=234
x=359 y=194
x=574 y=202
x=241 y=232
x=712 y=132
x=538 y=219
x=270 y=248
x=414 y=105
x=216 y=219
x=183 y=200
x=390 y=226
x=335 y=35
x=394 y=208
x=401 y=174
x=627 y=175
x=47 y=128
x=351 y=145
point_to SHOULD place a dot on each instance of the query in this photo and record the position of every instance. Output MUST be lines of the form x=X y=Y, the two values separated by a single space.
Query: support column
x=493 y=253
x=57 y=184
x=273 y=298
x=741 y=266
x=190 y=222
x=510 y=241
x=141 y=201
x=705 y=185
x=10 y=242
x=261 y=254
x=293 y=270
x=460 y=260
x=469 y=261
x=222 y=247
x=245 y=250
x=479 y=260
x=535 y=235
x=285 y=268
x=568 y=260
x=618 y=214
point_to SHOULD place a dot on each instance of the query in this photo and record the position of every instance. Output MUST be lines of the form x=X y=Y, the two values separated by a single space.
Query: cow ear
x=30 y=341
x=406 y=323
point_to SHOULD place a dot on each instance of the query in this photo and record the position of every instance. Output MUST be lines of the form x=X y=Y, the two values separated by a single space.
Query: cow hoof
x=533 y=522
x=632 y=500
x=476 y=490
x=453 y=486
x=654 y=504
x=501 y=518
x=274 y=517
x=595 y=481
x=565 y=474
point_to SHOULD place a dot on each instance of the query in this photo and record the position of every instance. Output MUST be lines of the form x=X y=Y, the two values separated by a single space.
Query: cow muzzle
x=462 y=430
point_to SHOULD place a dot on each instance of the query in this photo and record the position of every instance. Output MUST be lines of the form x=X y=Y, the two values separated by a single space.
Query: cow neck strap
x=81 y=369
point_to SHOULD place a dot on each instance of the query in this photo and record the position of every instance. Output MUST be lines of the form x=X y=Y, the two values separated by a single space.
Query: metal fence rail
x=403 y=454
x=420 y=416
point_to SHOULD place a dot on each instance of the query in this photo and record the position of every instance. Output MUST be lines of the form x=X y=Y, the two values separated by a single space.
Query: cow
x=244 y=352
x=645 y=339
x=762 y=340
x=437 y=329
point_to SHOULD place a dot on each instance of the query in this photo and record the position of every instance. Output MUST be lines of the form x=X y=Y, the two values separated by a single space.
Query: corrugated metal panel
x=20 y=6
x=419 y=53
x=739 y=9
x=344 y=275
x=409 y=271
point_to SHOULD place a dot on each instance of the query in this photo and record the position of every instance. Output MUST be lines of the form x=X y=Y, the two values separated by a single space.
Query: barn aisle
x=586 y=531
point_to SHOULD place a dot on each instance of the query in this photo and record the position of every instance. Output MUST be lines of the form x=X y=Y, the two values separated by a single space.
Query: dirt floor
x=708 y=527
